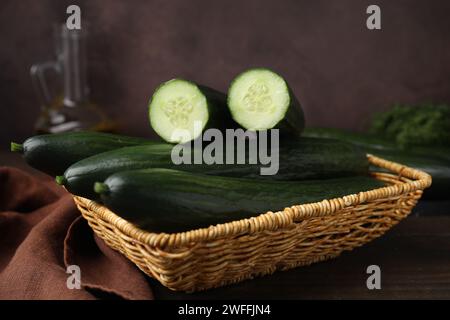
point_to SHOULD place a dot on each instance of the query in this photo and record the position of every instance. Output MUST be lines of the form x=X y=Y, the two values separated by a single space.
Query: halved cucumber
x=260 y=99
x=180 y=110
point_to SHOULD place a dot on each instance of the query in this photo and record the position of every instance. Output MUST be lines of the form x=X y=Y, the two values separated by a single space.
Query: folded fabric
x=42 y=234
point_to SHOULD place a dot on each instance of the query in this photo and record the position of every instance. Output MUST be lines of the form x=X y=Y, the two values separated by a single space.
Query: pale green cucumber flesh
x=258 y=99
x=178 y=111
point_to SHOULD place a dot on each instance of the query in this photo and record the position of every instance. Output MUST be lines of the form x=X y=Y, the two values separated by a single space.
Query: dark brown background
x=340 y=71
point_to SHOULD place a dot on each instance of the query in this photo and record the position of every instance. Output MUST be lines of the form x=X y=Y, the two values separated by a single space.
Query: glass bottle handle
x=38 y=74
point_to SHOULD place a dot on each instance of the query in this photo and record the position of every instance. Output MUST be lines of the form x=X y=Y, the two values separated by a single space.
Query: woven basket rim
x=269 y=221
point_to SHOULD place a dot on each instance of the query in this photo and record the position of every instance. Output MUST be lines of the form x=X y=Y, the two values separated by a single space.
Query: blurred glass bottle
x=62 y=88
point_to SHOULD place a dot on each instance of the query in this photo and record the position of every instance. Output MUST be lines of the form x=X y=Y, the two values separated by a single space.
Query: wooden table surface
x=414 y=258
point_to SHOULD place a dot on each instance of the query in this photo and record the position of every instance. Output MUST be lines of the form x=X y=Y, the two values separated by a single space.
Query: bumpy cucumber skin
x=219 y=116
x=293 y=123
x=164 y=200
x=434 y=161
x=307 y=158
x=54 y=153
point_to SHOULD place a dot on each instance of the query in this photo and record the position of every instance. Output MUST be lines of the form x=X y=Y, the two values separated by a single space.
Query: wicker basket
x=297 y=236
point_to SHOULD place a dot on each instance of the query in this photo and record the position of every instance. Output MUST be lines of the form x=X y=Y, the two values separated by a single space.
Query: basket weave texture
x=298 y=235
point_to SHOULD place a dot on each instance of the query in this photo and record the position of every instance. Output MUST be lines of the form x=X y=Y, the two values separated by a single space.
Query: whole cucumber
x=165 y=200
x=54 y=153
x=372 y=142
x=434 y=161
x=307 y=158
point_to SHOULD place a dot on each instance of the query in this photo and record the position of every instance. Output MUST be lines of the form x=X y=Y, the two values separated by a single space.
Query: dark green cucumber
x=165 y=200
x=434 y=161
x=260 y=99
x=54 y=153
x=180 y=110
x=373 y=142
x=361 y=139
x=80 y=177
x=307 y=158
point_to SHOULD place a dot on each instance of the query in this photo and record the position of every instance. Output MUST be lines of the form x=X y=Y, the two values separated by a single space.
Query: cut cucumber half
x=180 y=110
x=260 y=99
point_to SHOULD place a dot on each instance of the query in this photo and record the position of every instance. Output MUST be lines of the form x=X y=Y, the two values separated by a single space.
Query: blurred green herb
x=418 y=125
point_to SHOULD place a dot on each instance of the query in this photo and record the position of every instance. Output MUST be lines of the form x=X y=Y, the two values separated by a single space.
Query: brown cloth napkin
x=42 y=233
